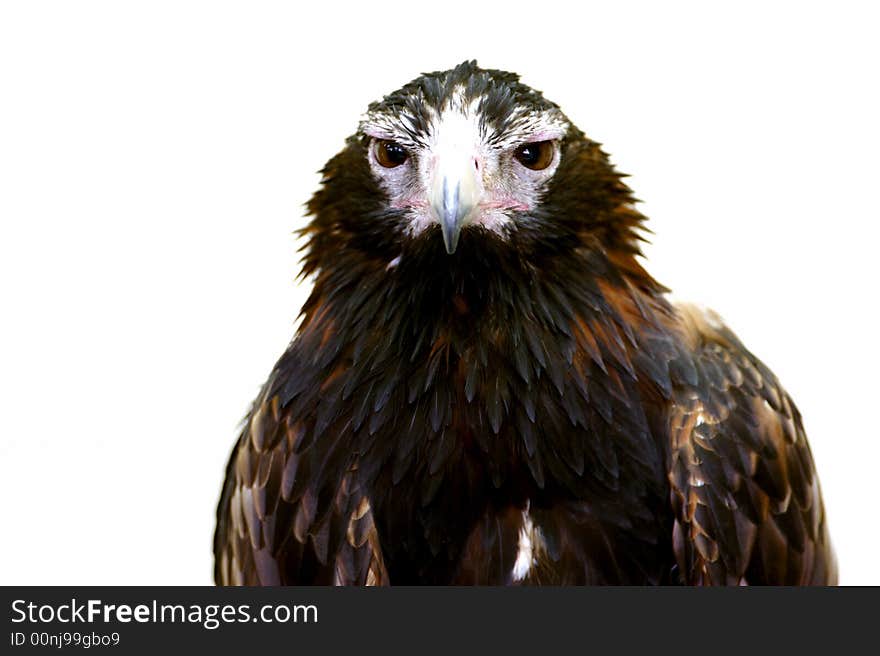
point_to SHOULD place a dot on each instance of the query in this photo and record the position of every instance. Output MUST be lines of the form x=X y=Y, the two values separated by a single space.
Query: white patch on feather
x=529 y=544
x=524 y=554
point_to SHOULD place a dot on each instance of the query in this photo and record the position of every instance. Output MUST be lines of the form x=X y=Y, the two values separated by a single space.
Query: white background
x=155 y=156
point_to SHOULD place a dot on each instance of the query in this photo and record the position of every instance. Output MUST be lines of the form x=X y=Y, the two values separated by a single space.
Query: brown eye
x=390 y=153
x=536 y=156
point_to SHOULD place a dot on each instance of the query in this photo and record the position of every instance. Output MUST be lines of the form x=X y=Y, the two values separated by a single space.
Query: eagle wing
x=277 y=524
x=748 y=508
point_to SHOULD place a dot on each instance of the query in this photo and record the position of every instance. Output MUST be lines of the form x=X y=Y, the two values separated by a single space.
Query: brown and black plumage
x=488 y=388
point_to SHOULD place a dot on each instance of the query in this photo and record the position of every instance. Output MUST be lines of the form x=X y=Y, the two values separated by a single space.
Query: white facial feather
x=457 y=139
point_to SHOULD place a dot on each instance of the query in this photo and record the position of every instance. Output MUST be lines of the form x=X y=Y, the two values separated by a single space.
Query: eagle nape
x=488 y=388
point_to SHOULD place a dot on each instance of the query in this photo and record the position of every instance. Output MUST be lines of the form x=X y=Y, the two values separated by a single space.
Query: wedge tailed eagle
x=487 y=387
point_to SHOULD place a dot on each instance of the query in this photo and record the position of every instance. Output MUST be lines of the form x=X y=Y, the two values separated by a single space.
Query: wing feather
x=269 y=528
x=748 y=508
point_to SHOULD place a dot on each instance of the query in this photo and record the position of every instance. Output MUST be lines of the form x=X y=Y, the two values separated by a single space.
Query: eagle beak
x=454 y=196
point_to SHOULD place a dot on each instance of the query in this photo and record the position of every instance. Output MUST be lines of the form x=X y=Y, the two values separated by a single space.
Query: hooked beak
x=455 y=193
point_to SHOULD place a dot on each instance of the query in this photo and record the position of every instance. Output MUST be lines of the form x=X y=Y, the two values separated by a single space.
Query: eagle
x=486 y=387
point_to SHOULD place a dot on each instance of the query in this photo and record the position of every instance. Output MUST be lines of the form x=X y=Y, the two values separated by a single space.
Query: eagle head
x=468 y=159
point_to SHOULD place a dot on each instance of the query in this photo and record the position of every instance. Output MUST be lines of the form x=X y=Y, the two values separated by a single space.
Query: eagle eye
x=536 y=156
x=389 y=153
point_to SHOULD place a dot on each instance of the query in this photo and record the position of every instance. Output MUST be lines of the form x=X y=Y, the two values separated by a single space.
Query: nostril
x=476 y=164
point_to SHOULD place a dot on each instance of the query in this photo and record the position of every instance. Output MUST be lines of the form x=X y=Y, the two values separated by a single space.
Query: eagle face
x=469 y=163
x=464 y=149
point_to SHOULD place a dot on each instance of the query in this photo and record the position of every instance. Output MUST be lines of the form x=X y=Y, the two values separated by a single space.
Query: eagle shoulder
x=744 y=489
x=279 y=522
